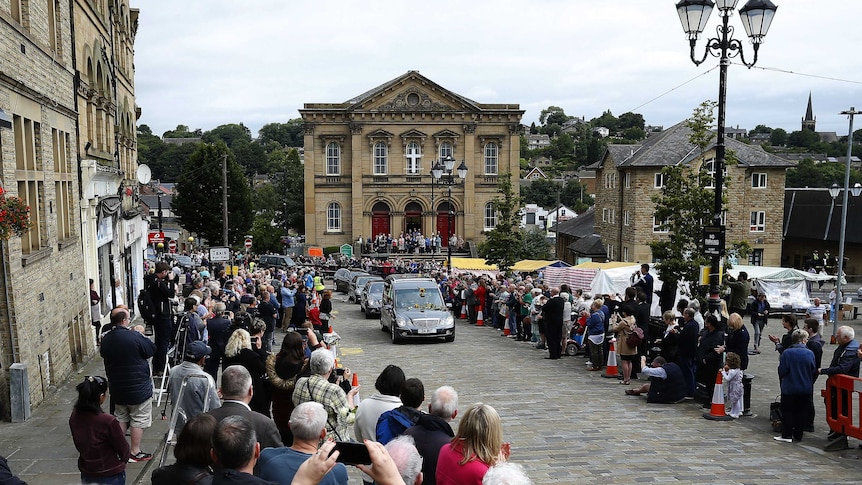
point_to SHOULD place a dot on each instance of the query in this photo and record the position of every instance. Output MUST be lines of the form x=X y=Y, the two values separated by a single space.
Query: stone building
x=114 y=229
x=368 y=162
x=44 y=310
x=67 y=125
x=630 y=175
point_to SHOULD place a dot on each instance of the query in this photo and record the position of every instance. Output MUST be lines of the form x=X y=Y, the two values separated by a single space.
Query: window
x=604 y=215
x=31 y=190
x=657 y=225
x=380 y=158
x=414 y=158
x=659 y=181
x=756 y=257
x=490 y=216
x=610 y=252
x=63 y=187
x=625 y=253
x=758 y=221
x=333 y=159
x=445 y=150
x=710 y=172
x=722 y=220
x=333 y=217
x=531 y=218
x=628 y=180
x=491 y=159
x=626 y=218
x=758 y=180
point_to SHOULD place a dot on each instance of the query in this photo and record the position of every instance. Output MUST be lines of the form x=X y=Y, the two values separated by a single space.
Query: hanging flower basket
x=14 y=216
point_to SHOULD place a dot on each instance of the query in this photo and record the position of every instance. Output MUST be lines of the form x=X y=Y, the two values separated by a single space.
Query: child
x=732 y=376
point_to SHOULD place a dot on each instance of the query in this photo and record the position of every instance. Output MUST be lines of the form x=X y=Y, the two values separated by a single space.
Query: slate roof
x=409 y=74
x=672 y=147
x=581 y=226
x=807 y=216
x=590 y=246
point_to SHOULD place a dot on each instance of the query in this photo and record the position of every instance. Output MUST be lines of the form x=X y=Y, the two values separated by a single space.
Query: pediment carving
x=414 y=99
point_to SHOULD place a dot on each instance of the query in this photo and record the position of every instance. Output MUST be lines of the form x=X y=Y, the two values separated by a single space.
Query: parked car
x=357 y=284
x=184 y=261
x=343 y=277
x=277 y=261
x=372 y=294
x=414 y=308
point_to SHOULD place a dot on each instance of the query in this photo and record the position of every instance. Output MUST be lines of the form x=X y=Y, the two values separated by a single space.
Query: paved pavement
x=566 y=425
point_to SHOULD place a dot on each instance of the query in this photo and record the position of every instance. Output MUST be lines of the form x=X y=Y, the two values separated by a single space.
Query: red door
x=444 y=226
x=379 y=223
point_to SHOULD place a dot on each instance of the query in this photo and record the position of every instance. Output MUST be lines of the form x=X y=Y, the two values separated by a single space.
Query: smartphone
x=339 y=372
x=352 y=453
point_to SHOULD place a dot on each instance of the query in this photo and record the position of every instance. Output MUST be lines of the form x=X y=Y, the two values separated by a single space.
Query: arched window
x=333 y=159
x=414 y=158
x=490 y=216
x=445 y=150
x=333 y=217
x=491 y=158
x=381 y=156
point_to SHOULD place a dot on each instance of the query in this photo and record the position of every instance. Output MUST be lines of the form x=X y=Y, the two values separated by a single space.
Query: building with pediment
x=368 y=162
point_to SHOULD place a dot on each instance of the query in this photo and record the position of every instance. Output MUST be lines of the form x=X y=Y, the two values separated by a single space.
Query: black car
x=357 y=284
x=343 y=277
x=371 y=298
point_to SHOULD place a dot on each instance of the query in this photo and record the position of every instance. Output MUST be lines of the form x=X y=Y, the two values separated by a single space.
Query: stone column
x=312 y=233
x=464 y=229
x=357 y=169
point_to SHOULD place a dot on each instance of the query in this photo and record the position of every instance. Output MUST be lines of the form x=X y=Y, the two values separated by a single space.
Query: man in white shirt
x=818 y=312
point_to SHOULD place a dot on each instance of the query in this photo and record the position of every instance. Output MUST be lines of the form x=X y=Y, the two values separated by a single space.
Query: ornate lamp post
x=444 y=174
x=834 y=191
x=756 y=16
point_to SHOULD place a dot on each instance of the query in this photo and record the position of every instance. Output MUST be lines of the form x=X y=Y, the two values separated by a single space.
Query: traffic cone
x=506 y=330
x=612 y=371
x=464 y=311
x=355 y=381
x=716 y=411
x=330 y=329
x=480 y=318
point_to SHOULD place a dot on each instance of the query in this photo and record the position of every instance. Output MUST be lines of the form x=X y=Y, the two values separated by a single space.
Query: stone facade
x=44 y=314
x=627 y=180
x=368 y=161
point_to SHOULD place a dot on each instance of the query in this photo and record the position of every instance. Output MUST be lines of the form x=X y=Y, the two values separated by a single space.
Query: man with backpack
x=160 y=288
x=394 y=423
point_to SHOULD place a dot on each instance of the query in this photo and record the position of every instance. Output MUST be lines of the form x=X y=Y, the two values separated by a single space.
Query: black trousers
x=794 y=415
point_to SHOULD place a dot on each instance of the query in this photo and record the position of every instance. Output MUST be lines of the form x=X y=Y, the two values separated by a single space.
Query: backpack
x=391 y=425
x=148 y=309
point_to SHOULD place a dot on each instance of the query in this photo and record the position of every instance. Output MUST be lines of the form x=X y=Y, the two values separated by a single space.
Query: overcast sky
x=205 y=63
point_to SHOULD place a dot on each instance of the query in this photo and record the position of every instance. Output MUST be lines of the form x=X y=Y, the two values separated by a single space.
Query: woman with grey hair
x=316 y=387
x=506 y=473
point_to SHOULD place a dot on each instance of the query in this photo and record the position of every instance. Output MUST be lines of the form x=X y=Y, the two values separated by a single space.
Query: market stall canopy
x=530 y=265
x=771 y=273
x=475 y=266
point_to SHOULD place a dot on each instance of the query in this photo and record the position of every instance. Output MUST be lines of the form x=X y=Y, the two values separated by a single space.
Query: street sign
x=172 y=246
x=220 y=254
x=713 y=240
x=248 y=243
x=155 y=237
x=347 y=250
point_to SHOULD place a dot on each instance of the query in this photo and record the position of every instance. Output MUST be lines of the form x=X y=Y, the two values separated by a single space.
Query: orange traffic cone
x=716 y=411
x=330 y=329
x=506 y=330
x=355 y=380
x=612 y=371
x=480 y=318
x=464 y=311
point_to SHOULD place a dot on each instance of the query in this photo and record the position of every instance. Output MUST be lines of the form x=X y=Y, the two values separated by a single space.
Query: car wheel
x=450 y=338
x=395 y=338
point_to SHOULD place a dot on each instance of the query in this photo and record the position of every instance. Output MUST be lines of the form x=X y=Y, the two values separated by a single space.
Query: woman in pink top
x=477 y=446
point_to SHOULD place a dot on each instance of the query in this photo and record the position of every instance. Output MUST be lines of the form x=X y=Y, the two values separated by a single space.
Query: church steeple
x=809 y=122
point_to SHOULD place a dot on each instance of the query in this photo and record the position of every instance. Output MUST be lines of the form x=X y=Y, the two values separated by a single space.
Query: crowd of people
x=246 y=414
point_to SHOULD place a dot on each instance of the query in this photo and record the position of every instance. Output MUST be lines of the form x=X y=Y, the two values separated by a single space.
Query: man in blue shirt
x=308 y=425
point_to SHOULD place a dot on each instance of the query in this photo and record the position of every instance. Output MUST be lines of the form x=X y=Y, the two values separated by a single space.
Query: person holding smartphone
x=308 y=425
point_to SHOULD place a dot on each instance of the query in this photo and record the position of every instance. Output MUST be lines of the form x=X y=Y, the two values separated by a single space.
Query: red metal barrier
x=843 y=396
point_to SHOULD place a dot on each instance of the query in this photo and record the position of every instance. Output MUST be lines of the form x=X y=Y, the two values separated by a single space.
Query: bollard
x=746 y=394
x=19 y=393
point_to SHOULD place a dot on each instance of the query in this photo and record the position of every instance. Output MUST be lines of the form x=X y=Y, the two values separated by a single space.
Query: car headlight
x=371 y=301
x=402 y=321
x=448 y=321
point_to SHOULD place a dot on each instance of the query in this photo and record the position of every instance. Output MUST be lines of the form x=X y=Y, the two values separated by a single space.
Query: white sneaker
x=589 y=364
x=783 y=440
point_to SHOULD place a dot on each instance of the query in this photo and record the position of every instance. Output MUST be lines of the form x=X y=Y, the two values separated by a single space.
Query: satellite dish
x=144 y=174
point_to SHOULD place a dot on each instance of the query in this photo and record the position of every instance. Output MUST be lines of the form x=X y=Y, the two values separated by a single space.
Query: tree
x=803 y=139
x=807 y=173
x=181 y=131
x=607 y=120
x=760 y=129
x=574 y=197
x=285 y=134
x=291 y=188
x=541 y=192
x=562 y=148
x=684 y=206
x=231 y=134
x=505 y=242
x=198 y=203
x=533 y=129
x=536 y=245
x=543 y=116
x=631 y=120
x=267 y=234
x=778 y=138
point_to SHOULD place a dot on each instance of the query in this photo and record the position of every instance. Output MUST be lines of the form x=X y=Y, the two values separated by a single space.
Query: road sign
x=155 y=237
x=219 y=254
x=347 y=250
x=172 y=246
x=248 y=243
x=713 y=240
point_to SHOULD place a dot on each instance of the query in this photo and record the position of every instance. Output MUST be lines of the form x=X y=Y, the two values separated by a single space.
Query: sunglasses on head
x=99 y=380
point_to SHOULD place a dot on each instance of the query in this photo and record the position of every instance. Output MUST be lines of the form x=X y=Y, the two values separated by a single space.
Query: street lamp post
x=444 y=174
x=756 y=16
x=834 y=191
